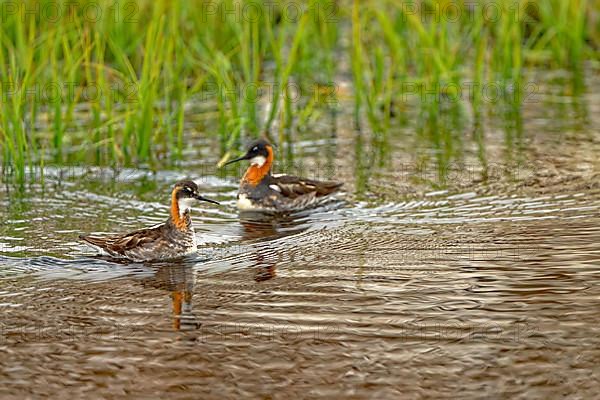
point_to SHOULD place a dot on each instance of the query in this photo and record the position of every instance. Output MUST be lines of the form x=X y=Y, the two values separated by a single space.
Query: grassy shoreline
x=120 y=77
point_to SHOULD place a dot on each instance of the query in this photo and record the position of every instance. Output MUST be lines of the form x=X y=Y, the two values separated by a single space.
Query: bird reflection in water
x=257 y=227
x=178 y=278
x=255 y=230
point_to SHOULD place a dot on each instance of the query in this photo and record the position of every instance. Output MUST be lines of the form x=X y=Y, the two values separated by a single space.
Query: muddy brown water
x=473 y=278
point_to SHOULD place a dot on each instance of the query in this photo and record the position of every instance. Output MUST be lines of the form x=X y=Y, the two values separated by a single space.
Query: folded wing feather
x=293 y=186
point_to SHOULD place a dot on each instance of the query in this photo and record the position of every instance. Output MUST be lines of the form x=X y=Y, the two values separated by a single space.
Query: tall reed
x=150 y=61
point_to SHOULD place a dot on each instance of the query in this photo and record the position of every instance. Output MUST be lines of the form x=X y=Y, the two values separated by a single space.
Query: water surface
x=462 y=268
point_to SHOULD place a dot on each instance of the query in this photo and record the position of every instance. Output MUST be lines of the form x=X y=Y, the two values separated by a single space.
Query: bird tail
x=93 y=240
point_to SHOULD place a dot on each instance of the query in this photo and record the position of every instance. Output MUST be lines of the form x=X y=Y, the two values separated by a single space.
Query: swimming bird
x=172 y=239
x=262 y=191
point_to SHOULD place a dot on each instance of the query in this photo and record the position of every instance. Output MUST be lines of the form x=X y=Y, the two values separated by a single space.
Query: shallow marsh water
x=456 y=270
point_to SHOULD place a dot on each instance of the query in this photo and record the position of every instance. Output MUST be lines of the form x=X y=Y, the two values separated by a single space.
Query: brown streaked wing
x=121 y=243
x=293 y=186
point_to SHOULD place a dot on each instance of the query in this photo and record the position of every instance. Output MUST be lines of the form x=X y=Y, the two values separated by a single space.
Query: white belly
x=244 y=203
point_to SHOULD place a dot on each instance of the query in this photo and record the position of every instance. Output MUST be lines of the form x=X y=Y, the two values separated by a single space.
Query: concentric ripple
x=489 y=291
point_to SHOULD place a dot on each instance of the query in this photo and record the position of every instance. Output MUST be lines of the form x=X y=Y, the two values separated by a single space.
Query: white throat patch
x=185 y=204
x=258 y=161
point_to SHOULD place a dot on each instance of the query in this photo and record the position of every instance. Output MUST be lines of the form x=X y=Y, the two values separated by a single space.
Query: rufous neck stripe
x=254 y=174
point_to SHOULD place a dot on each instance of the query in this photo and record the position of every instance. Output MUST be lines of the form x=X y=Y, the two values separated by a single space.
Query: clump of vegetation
x=114 y=80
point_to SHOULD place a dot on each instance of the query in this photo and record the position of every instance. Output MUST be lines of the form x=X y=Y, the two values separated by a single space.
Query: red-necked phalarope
x=262 y=191
x=172 y=239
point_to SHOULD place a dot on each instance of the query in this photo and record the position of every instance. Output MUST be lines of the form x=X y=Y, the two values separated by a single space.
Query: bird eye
x=254 y=148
